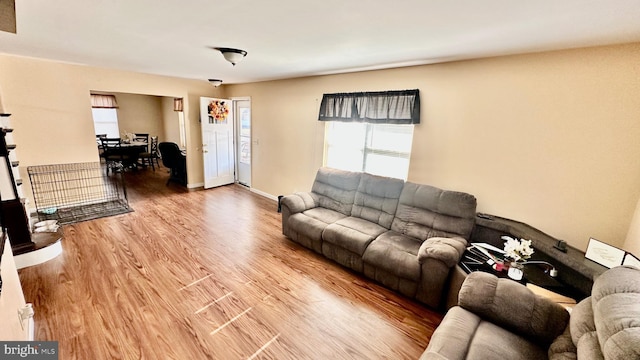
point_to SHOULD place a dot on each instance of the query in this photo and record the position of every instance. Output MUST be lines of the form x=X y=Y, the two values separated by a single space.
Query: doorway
x=117 y=113
x=242 y=119
x=226 y=141
x=217 y=124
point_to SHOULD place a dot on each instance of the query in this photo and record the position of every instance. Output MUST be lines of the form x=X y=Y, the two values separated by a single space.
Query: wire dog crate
x=77 y=192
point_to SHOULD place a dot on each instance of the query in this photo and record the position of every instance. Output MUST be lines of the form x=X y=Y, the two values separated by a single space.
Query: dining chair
x=142 y=137
x=115 y=156
x=99 y=142
x=148 y=158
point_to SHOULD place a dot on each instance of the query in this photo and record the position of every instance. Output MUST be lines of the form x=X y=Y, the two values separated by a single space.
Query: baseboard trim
x=38 y=256
x=195 y=185
x=265 y=194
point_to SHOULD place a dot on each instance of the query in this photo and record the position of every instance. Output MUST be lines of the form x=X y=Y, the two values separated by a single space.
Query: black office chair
x=175 y=161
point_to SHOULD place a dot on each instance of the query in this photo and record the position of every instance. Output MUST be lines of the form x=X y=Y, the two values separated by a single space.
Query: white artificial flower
x=517 y=249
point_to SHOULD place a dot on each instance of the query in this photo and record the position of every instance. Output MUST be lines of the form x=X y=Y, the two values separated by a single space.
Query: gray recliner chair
x=502 y=319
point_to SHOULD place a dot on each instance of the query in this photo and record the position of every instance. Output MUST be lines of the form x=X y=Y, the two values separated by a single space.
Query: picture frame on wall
x=604 y=254
x=631 y=260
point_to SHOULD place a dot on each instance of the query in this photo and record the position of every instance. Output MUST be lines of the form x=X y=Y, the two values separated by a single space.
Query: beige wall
x=51 y=109
x=632 y=242
x=550 y=139
x=170 y=122
x=140 y=114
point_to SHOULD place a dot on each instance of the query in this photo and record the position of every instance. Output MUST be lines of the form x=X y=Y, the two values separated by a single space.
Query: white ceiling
x=293 y=38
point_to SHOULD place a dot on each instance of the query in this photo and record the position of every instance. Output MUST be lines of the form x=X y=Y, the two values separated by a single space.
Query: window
x=370 y=131
x=178 y=106
x=105 y=121
x=183 y=135
x=380 y=149
x=245 y=135
x=105 y=117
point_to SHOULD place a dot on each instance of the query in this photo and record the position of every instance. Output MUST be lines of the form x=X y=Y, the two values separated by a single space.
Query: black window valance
x=380 y=107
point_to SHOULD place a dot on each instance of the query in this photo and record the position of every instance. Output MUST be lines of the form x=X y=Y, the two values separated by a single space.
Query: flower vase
x=515 y=270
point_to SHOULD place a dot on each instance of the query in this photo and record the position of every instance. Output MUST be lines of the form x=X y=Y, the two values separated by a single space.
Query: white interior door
x=216 y=118
x=243 y=140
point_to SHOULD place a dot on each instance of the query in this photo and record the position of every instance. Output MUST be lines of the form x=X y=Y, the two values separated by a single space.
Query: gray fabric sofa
x=406 y=236
x=502 y=319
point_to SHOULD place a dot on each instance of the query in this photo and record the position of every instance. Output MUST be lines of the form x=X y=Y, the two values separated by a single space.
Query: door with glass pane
x=243 y=140
x=216 y=116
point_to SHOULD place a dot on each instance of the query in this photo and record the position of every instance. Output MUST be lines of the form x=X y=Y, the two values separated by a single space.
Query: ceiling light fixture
x=215 y=82
x=232 y=55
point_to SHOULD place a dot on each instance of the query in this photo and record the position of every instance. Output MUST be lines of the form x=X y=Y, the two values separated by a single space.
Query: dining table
x=132 y=150
x=131 y=144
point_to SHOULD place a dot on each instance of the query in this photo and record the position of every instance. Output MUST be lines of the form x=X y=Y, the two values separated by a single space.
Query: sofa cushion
x=325 y=215
x=493 y=342
x=589 y=348
x=395 y=253
x=377 y=198
x=335 y=189
x=464 y=335
x=581 y=320
x=533 y=316
x=562 y=347
x=352 y=233
x=307 y=226
x=425 y=211
x=312 y=222
x=615 y=299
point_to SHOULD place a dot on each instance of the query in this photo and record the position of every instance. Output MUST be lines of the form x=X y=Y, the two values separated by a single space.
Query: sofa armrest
x=436 y=257
x=512 y=306
x=447 y=250
x=299 y=202
x=452 y=338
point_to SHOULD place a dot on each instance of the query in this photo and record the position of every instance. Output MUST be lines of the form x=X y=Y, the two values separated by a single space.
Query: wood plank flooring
x=209 y=275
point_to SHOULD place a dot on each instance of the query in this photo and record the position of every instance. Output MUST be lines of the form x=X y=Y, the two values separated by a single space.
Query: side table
x=534 y=278
x=567 y=302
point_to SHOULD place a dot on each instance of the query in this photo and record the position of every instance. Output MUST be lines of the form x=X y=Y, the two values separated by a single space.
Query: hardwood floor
x=209 y=275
